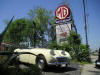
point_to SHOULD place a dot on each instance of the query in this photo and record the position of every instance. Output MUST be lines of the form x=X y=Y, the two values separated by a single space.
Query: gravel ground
x=90 y=69
x=73 y=69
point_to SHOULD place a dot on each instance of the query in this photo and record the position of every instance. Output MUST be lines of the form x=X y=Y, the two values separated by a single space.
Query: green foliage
x=15 y=70
x=11 y=48
x=39 y=33
x=3 y=58
x=53 y=45
x=64 y=46
x=74 y=46
x=42 y=19
x=83 y=54
x=74 y=39
x=18 y=31
x=78 y=50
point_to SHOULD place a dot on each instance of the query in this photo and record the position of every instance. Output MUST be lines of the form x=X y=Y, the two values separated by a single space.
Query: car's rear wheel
x=41 y=62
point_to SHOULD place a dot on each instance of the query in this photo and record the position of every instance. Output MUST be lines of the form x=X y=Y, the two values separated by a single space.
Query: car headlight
x=52 y=52
x=63 y=52
x=52 y=60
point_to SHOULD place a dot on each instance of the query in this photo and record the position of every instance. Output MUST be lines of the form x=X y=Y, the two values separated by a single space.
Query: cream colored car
x=44 y=57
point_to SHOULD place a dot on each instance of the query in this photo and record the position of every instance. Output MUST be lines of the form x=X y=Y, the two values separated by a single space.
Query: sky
x=20 y=8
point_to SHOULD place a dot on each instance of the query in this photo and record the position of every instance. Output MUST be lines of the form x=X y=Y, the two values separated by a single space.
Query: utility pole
x=34 y=24
x=85 y=24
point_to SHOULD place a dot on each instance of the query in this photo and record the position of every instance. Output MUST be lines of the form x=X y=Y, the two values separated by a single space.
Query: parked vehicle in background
x=44 y=57
x=97 y=63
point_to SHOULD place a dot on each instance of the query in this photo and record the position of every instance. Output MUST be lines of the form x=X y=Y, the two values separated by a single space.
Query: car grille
x=61 y=59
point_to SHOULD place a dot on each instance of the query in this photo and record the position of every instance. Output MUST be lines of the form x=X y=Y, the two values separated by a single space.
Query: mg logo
x=62 y=12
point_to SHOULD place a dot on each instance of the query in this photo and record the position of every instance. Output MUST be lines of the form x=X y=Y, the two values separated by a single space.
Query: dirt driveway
x=90 y=69
x=73 y=69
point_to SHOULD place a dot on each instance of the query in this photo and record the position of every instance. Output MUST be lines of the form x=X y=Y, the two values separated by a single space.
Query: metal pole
x=34 y=24
x=99 y=55
x=85 y=24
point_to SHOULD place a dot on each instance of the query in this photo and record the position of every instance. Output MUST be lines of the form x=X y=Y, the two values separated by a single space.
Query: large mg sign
x=63 y=27
x=62 y=12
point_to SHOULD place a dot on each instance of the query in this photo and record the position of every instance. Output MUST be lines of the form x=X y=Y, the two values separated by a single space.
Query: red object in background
x=63 y=34
x=62 y=12
x=3 y=47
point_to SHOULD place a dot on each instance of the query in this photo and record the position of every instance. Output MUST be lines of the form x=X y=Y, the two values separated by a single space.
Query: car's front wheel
x=41 y=62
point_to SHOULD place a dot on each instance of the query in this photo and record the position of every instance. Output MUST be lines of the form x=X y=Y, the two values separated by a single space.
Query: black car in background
x=97 y=62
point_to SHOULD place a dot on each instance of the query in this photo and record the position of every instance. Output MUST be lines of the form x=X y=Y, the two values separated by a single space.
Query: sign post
x=63 y=26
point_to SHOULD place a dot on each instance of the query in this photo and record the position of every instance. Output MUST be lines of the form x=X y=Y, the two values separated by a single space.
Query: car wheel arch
x=39 y=56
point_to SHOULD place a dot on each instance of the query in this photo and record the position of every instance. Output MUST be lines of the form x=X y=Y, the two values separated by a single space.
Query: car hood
x=46 y=52
x=54 y=53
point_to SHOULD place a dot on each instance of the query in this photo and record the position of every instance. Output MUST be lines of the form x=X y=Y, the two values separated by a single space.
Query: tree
x=19 y=31
x=74 y=40
x=42 y=19
x=83 y=53
x=78 y=50
x=36 y=30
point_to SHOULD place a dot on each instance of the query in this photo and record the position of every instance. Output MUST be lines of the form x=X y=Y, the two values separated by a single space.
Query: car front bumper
x=61 y=62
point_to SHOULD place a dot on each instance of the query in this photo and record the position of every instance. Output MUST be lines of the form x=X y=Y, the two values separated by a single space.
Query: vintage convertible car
x=44 y=57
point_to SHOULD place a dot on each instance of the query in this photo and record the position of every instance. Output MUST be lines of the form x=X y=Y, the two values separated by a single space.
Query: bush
x=83 y=54
x=11 y=48
x=74 y=46
x=54 y=45
x=14 y=70
x=3 y=58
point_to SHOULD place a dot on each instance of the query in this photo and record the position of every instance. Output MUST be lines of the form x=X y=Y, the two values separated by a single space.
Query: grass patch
x=82 y=62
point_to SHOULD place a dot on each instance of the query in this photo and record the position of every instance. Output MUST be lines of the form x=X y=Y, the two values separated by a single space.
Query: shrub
x=14 y=70
x=3 y=58
x=84 y=54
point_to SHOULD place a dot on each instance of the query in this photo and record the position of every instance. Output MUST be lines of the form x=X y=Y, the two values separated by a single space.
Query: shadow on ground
x=97 y=67
x=95 y=72
x=60 y=70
